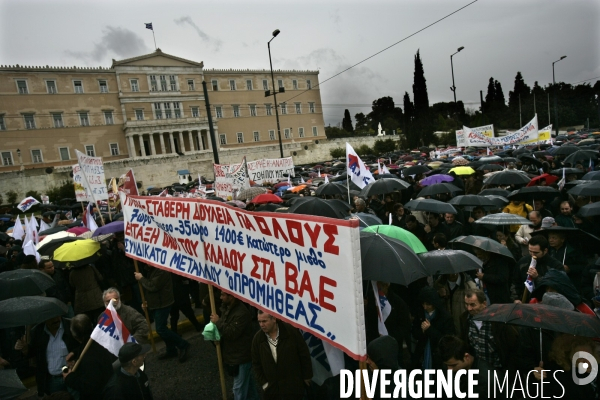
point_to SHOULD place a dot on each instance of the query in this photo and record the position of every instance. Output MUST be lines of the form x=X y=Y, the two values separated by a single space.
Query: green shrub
x=338 y=153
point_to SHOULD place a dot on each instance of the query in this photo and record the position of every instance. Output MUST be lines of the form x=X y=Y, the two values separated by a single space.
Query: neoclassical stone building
x=147 y=106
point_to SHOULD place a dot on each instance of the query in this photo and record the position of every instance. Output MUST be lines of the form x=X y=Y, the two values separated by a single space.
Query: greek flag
x=149 y=26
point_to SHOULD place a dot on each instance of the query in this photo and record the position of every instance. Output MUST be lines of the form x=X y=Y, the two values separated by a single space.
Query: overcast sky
x=500 y=38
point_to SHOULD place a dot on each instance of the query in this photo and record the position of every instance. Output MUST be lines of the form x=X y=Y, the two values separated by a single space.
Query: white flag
x=29 y=249
x=326 y=179
x=18 y=231
x=385 y=170
x=359 y=174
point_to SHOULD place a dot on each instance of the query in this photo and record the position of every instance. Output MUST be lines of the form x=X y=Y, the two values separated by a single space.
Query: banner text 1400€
x=306 y=270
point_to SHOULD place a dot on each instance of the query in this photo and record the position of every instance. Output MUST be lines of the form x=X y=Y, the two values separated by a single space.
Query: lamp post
x=275 y=33
x=453 y=88
x=555 y=101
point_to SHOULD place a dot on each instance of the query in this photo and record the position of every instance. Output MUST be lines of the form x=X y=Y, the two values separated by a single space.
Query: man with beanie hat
x=129 y=382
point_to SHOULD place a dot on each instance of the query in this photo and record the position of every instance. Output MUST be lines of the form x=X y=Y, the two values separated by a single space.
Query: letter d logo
x=580 y=367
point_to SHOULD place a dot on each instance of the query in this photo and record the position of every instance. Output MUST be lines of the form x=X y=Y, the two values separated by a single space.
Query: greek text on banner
x=306 y=270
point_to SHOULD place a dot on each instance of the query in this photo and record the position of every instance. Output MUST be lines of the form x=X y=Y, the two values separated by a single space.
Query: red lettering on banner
x=325 y=294
x=245 y=221
x=262 y=225
x=277 y=230
x=330 y=231
x=169 y=242
x=268 y=270
x=291 y=275
x=189 y=246
x=151 y=234
x=216 y=214
x=295 y=232
x=231 y=259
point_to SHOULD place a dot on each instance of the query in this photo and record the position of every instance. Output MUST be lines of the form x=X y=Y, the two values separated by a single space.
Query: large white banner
x=528 y=132
x=544 y=136
x=92 y=170
x=81 y=193
x=486 y=130
x=304 y=269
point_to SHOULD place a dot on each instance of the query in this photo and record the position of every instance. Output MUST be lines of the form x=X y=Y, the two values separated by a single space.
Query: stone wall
x=162 y=171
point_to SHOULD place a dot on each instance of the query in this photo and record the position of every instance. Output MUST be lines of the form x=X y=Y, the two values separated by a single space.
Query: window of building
x=253 y=110
x=108 y=117
x=58 y=120
x=271 y=135
x=240 y=137
x=29 y=121
x=89 y=150
x=283 y=108
x=269 y=109
x=163 y=82
x=114 y=149
x=103 y=86
x=84 y=118
x=191 y=84
x=249 y=84
x=173 y=82
x=167 y=107
x=22 y=87
x=153 y=84
x=301 y=132
x=78 y=86
x=177 y=109
x=231 y=84
x=265 y=84
x=215 y=85
x=219 y=112
x=2 y=124
x=139 y=115
x=64 y=153
x=195 y=112
x=223 y=138
x=315 y=131
x=298 y=108
x=135 y=87
x=236 y=111
x=256 y=136
x=287 y=133
x=308 y=84
x=51 y=87
x=311 y=108
x=7 y=158
x=36 y=156
x=295 y=84
x=157 y=111
x=280 y=83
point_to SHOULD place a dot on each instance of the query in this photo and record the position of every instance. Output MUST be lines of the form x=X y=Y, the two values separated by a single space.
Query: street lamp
x=453 y=88
x=555 y=101
x=275 y=33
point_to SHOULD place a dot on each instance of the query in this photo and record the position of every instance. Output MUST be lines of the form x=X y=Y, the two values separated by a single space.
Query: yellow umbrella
x=462 y=170
x=78 y=253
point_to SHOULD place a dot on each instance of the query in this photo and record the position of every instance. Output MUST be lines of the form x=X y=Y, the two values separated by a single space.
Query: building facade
x=147 y=106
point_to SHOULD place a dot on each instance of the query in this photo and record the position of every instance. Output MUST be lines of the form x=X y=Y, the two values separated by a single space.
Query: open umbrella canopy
x=270 y=207
x=250 y=193
x=11 y=386
x=565 y=150
x=56 y=229
x=463 y=170
x=592 y=176
x=495 y=192
x=581 y=155
x=267 y=198
x=29 y=310
x=550 y=179
x=439 y=188
x=329 y=189
x=508 y=178
x=449 y=261
x=590 y=210
x=365 y=219
x=401 y=234
x=415 y=170
x=471 y=242
x=587 y=189
x=499 y=201
x=324 y=208
x=48 y=248
x=472 y=200
x=430 y=205
x=78 y=230
x=401 y=266
x=491 y=167
x=503 y=219
x=112 y=227
x=383 y=186
x=567 y=171
x=78 y=253
x=53 y=236
x=542 y=316
x=531 y=193
x=575 y=237
x=437 y=178
x=24 y=282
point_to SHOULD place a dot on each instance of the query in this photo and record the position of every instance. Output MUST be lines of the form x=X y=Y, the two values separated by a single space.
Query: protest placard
x=527 y=132
x=306 y=270
x=485 y=130
x=92 y=170
x=81 y=193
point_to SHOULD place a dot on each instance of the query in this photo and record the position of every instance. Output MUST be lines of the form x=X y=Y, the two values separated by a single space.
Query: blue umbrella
x=438 y=178
x=113 y=227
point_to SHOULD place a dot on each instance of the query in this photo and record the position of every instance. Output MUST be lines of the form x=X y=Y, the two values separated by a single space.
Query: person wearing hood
x=573 y=260
x=382 y=354
x=557 y=282
x=432 y=322
x=519 y=208
x=524 y=232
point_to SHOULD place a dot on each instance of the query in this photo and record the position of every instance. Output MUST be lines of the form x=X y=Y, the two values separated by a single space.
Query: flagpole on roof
x=149 y=26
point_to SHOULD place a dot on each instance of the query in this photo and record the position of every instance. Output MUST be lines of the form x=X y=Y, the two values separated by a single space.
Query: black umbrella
x=588 y=189
x=430 y=205
x=323 y=208
x=581 y=155
x=592 y=176
x=507 y=178
x=271 y=207
x=590 y=210
x=490 y=159
x=542 y=316
x=386 y=176
x=415 y=170
x=58 y=228
x=449 y=261
x=401 y=266
x=331 y=189
x=499 y=201
x=565 y=150
x=507 y=160
x=73 y=224
x=383 y=186
x=29 y=310
x=48 y=248
x=24 y=282
x=529 y=159
x=503 y=219
x=216 y=198
x=365 y=219
x=472 y=200
x=11 y=386
x=48 y=214
x=495 y=192
x=576 y=237
x=491 y=167
x=534 y=193
x=439 y=188
x=567 y=171
x=470 y=242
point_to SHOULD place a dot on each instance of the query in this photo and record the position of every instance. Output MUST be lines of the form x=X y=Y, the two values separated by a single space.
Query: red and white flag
x=27 y=203
x=358 y=172
x=110 y=332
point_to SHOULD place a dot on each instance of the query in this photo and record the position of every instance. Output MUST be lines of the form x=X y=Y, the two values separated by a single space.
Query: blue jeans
x=171 y=339
x=243 y=384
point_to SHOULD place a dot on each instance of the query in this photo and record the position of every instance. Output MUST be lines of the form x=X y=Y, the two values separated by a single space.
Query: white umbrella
x=56 y=235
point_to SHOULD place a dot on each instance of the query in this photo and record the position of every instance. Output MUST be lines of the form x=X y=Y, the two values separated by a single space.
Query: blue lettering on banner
x=311 y=259
x=268 y=247
x=145 y=250
x=316 y=349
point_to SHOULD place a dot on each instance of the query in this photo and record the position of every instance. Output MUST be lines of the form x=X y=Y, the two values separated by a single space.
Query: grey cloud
x=217 y=43
x=115 y=41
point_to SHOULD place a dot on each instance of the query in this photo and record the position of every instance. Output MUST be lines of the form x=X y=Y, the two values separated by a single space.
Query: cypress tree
x=499 y=96
x=490 y=97
x=347 y=122
x=421 y=100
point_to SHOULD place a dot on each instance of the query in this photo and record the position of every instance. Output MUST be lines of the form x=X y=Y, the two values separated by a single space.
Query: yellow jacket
x=518 y=208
